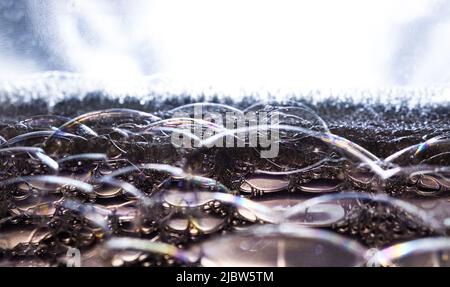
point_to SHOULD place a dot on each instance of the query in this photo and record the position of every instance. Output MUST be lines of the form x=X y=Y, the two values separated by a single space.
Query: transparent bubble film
x=201 y=179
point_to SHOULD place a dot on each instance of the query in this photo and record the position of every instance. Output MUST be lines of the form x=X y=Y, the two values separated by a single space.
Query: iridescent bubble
x=426 y=252
x=283 y=245
x=15 y=234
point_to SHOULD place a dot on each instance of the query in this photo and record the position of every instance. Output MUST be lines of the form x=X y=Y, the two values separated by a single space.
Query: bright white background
x=233 y=43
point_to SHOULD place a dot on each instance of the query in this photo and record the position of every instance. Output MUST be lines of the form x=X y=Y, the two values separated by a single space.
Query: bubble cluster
x=112 y=184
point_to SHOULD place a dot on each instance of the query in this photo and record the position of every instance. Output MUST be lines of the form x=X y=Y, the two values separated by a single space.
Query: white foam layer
x=56 y=86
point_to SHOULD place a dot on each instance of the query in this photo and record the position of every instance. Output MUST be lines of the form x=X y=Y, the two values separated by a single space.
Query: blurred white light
x=238 y=44
x=279 y=43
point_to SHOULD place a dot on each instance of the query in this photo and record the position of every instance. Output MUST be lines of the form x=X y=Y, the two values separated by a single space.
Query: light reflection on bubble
x=427 y=252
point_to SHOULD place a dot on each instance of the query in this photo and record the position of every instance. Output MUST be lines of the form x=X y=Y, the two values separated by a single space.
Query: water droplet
x=108 y=192
x=178 y=224
x=264 y=184
x=321 y=186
